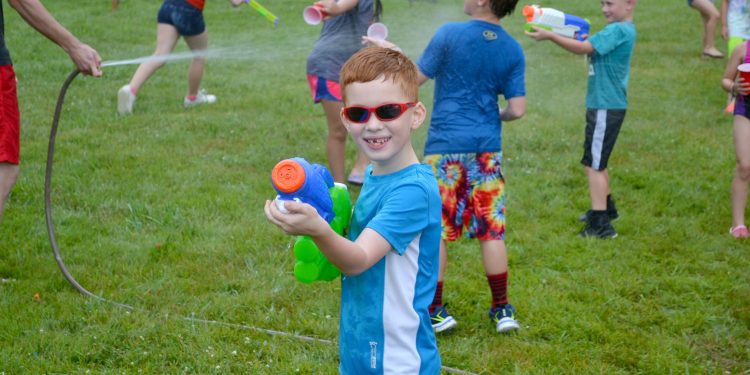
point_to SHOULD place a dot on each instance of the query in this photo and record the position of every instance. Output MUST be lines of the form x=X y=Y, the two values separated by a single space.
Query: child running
x=176 y=18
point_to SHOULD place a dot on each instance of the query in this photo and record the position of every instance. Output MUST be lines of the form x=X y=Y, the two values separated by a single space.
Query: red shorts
x=10 y=124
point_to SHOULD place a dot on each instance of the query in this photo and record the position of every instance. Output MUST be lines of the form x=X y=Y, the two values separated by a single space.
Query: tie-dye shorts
x=472 y=190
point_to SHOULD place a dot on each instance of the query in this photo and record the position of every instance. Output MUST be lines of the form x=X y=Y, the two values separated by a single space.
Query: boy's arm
x=570 y=44
x=351 y=258
x=515 y=109
x=35 y=14
x=335 y=8
x=724 y=26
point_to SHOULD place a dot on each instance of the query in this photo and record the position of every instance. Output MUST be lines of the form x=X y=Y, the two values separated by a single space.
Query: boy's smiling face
x=387 y=144
x=618 y=10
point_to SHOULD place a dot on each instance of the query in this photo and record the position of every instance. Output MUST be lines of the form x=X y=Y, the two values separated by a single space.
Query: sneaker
x=739 y=231
x=125 y=100
x=504 y=318
x=201 y=98
x=441 y=319
x=598 y=225
x=611 y=211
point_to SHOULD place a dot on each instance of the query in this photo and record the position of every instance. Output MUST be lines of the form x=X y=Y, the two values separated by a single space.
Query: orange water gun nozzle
x=288 y=176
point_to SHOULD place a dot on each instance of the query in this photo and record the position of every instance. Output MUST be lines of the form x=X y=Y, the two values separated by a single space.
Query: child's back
x=472 y=63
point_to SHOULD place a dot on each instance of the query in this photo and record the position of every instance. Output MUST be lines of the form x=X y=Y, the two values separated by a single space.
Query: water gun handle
x=263 y=11
x=311 y=265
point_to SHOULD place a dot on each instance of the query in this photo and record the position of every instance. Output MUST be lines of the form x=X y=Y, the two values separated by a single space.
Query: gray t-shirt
x=340 y=38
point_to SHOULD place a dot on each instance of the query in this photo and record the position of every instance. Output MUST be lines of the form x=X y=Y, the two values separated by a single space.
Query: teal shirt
x=609 y=66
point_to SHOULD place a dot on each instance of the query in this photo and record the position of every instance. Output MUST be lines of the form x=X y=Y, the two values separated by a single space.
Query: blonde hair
x=372 y=63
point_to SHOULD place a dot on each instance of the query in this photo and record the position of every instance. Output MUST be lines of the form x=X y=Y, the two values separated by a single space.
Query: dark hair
x=502 y=8
x=377 y=11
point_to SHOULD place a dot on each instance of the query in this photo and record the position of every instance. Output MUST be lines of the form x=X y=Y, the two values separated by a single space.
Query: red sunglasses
x=385 y=112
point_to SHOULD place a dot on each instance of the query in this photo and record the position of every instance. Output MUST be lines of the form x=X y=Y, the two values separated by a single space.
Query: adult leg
x=195 y=73
x=710 y=16
x=742 y=171
x=360 y=164
x=598 y=188
x=336 y=140
x=8 y=176
x=166 y=39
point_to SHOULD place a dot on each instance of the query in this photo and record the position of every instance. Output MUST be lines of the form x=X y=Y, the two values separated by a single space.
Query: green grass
x=161 y=210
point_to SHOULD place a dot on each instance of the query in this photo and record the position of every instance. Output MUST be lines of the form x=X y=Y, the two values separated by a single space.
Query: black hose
x=48 y=193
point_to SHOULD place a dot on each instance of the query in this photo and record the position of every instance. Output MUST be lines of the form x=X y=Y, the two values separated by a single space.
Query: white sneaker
x=125 y=100
x=201 y=98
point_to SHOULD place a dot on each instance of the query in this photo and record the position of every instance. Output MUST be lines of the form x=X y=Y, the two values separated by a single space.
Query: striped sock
x=438 y=299
x=499 y=287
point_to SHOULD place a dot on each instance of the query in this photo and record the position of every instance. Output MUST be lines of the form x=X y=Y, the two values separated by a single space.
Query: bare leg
x=360 y=164
x=166 y=39
x=443 y=259
x=598 y=188
x=8 y=176
x=494 y=256
x=742 y=172
x=336 y=141
x=710 y=16
x=195 y=73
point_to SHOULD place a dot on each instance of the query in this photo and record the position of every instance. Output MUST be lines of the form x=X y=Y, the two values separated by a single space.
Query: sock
x=438 y=299
x=610 y=203
x=499 y=287
x=133 y=91
x=192 y=97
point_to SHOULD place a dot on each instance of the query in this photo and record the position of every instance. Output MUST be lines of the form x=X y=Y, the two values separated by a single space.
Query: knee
x=743 y=171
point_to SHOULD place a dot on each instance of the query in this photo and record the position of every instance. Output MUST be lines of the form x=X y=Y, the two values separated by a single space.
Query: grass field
x=162 y=210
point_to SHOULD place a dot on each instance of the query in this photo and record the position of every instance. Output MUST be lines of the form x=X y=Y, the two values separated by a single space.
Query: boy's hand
x=380 y=43
x=539 y=34
x=301 y=219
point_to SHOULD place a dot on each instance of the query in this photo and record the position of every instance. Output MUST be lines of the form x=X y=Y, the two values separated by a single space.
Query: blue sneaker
x=441 y=319
x=504 y=318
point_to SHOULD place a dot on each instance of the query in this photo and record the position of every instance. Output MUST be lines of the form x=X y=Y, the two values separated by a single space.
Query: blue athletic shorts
x=187 y=19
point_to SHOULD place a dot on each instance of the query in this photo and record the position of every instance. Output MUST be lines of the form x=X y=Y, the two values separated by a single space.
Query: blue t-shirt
x=472 y=63
x=609 y=66
x=340 y=38
x=385 y=326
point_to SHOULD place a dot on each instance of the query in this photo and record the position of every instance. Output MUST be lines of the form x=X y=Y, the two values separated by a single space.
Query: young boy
x=390 y=261
x=609 y=53
x=472 y=63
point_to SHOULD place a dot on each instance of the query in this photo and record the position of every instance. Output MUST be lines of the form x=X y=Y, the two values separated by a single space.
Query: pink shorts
x=322 y=88
x=10 y=124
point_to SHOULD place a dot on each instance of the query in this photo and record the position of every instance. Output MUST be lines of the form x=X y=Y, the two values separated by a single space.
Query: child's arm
x=730 y=82
x=570 y=44
x=724 y=26
x=421 y=78
x=350 y=257
x=335 y=8
x=515 y=109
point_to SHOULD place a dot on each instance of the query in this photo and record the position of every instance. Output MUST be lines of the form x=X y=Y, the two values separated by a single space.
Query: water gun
x=263 y=11
x=296 y=179
x=556 y=21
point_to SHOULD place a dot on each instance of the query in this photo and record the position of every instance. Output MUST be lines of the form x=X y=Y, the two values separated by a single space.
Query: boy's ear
x=344 y=119
x=420 y=113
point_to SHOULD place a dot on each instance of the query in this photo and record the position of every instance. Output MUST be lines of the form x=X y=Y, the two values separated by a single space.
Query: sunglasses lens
x=357 y=114
x=388 y=112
